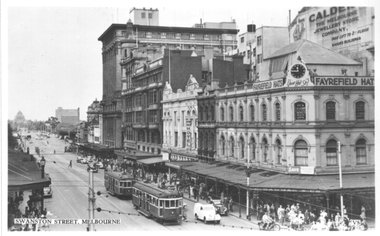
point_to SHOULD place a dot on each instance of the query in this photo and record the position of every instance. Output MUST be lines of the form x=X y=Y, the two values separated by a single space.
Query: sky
x=53 y=58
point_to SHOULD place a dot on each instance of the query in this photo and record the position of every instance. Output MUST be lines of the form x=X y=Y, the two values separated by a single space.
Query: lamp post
x=248 y=173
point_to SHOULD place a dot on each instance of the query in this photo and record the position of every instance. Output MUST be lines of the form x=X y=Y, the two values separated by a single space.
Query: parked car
x=219 y=207
x=48 y=191
x=206 y=212
x=84 y=160
x=79 y=159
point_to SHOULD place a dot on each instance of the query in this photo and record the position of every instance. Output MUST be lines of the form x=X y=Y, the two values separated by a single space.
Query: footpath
x=243 y=216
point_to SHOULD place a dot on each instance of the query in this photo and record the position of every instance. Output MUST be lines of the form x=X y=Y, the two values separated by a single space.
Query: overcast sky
x=54 y=57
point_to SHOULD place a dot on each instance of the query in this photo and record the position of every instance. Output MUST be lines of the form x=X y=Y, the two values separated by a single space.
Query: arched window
x=253 y=149
x=242 y=146
x=300 y=111
x=264 y=111
x=278 y=111
x=241 y=113
x=300 y=153
x=223 y=144
x=361 y=153
x=212 y=111
x=331 y=153
x=360 y=111
x=231 y=113
x=232 y=146
x=278 y=151
x=252 y=112
x=265 y=150
x=330 y=111
x=206 y=114
x=221 y=114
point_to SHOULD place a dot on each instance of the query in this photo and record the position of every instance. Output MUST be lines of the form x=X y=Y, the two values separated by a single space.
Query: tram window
x=176 y=203
x=129 y=184
x=167 y=204
x=161 y=203
x=172 y=203
x=180 y=203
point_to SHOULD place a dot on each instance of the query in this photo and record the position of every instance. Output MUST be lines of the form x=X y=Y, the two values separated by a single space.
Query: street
x=70 y=197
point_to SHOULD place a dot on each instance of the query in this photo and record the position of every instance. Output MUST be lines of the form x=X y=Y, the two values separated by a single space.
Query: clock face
x=298 y=71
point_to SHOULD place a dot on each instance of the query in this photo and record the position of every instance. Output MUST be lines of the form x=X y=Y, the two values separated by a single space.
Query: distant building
x=19 y=118
x=145 y=16
x=349 y=31
x=67 y=116
x=93 y=120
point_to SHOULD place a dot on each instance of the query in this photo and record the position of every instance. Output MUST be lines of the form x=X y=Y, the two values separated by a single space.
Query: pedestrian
x=281 y=214
x=307 y=216
x=230 y=203
x=71 y=164
x=54 y=151
x=362 y=214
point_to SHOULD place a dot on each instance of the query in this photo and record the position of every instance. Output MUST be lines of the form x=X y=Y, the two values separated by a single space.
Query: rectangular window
x=167 y=204
x=183 y=139
x=259 y=58
x=150 y=15
x=175 y=139
x=195 y=140
x=254 y=52
x=175 y=118
x=242 y=40
x=330 y=111
x=259 y=41
x=361 y=156
x=360 y=110
x=143 y=15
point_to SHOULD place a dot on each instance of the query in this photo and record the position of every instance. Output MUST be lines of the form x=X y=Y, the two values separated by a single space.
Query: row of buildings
x=277 y=100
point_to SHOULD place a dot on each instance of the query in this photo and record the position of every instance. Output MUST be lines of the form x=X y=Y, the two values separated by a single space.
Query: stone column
x=347 y=106
x=318 y=152
x=316 y=107
x=348 y=157
x=284 y=150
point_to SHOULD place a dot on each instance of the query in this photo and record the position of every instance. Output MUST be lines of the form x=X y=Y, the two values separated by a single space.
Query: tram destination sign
x=342 y=81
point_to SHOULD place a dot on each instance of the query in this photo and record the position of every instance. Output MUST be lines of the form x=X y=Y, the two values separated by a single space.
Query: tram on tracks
x=163 y=205
x=118 y=183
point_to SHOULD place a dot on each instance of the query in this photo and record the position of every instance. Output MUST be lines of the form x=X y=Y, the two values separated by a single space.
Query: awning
x=265 y=180
x=179 y=164
x=24 y=173
x=152 y=160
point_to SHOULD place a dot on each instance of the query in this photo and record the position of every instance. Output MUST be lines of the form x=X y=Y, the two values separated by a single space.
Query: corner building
x=290 y=122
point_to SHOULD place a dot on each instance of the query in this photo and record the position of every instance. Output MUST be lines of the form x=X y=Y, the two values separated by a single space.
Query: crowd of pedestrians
x=298 y=218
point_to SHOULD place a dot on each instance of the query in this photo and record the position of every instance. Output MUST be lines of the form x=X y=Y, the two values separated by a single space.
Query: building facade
x=67 y=116
x=93 y=119
x=180 y=119
x=349 y=31
x=19 y=118
x=293 y=121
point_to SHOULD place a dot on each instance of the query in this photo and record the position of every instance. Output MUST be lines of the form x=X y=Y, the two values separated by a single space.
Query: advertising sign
x=293 y=170
x=307 y=170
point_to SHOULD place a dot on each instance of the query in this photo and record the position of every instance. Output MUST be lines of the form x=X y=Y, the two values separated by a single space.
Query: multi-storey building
x=151 y=38
x=347 y=30
x=67 y=116
x=180 y=118
x=291 y=122
x=93 y=120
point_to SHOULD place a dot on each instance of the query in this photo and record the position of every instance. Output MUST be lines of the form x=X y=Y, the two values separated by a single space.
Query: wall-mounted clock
x=298 y=70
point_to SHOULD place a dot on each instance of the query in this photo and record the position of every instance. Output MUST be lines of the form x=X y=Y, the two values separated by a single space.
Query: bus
x=118 y=183
x=163 y=205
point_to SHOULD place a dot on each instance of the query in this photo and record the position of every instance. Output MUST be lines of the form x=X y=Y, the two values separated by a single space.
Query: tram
x=163 y=205
x=118 y=183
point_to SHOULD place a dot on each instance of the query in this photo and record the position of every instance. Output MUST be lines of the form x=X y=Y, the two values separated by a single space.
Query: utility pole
x=91 y=200
x=248 y=176
x=340 y=180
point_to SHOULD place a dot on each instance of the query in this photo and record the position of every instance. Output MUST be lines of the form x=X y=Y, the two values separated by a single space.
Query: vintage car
x=206 y=212
x=79 y=159
x=84 y=160
x=219 y=207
